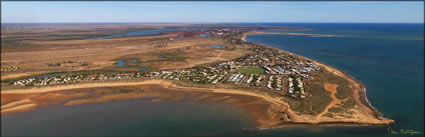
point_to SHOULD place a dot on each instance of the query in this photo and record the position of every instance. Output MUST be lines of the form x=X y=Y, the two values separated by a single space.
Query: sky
x=202 y=11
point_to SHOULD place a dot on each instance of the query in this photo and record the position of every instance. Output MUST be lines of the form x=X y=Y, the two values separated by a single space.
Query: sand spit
x=18 y=106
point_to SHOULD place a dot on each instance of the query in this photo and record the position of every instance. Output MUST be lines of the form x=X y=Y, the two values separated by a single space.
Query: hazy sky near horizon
x=78 y=11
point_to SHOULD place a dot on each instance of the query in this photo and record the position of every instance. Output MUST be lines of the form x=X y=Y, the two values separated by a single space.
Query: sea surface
x=387 y=58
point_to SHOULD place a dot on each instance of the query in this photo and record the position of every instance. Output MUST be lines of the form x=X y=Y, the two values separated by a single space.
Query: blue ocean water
x=387 y=58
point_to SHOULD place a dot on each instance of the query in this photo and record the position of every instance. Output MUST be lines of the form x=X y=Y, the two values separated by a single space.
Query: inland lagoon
x=217 y=46
x=121 y=63
x=203 y=35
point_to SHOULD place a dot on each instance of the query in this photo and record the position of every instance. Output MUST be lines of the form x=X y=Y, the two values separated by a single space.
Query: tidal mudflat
x=147 y=106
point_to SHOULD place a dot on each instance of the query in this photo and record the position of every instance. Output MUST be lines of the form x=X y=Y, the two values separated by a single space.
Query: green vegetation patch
x=6 y=45
x=251 y=70
x=172 y=56
x=329 y=77
x=343 y=107
x=349 y=103
x=343 y=91
x=328 y=115
x=313 y=105
x=321 y=98
x=167 y=56
x=225 y=42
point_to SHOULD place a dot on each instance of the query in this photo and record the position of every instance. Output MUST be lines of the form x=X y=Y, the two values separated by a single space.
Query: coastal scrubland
x=103 y=54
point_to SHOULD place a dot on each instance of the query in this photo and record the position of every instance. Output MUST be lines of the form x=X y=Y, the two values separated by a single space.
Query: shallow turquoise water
x=217 y=47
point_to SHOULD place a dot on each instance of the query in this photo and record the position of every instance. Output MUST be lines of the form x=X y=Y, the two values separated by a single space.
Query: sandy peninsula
x=268 y=111
x=371 y=115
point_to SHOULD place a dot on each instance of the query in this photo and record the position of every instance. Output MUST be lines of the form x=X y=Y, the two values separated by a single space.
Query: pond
x=217 y=46
x=203 y=35
x=121 y=63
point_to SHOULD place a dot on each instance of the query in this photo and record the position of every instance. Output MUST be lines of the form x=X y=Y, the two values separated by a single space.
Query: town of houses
x=283 y=73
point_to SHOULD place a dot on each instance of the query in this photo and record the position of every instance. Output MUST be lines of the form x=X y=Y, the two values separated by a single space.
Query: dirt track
x=331 y=88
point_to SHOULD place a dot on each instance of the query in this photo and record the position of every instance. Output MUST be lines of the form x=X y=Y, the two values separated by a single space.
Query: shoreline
x=170 y=85
x=378 y=115
x=262 y=120
x=359 y=91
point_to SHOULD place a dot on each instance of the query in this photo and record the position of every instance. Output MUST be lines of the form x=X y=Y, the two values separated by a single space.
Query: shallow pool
x=121 y=63
x=217 y=46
